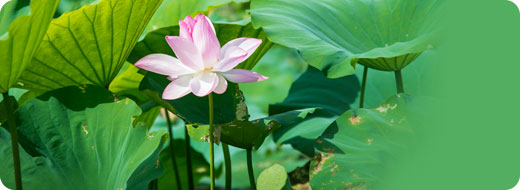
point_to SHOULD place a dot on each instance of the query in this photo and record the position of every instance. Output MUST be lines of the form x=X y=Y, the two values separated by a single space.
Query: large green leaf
x=335 y=34
x=171 y=11
x=312 y=89
x=22 y=40
x=78 y=138
x=88 y=45
x=365 y=143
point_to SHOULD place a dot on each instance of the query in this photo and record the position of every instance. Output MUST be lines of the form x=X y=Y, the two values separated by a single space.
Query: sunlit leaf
x=22 y=40
x=88 y=45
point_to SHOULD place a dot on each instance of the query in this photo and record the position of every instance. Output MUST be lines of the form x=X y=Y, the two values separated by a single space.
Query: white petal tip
x=261 y=78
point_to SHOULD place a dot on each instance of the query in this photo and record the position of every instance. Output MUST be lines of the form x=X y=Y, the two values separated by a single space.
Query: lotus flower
x=201 y=66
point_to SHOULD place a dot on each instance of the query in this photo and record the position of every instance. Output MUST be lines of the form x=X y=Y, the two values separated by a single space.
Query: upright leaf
x=22 y=40
x=333 y=35
x=88 y=45
x=78 y=138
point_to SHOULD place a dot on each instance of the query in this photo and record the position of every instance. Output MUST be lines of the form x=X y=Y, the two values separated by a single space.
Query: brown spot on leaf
x=304 y=186
x=321 y=159
x=355 y=120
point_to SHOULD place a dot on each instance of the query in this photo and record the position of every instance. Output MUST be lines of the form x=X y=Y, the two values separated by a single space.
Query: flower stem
x=188 y=159
x=399 y=82
x=250 y=169
x=14 y=140
x=227 y=161
x=172 y=151
x=211 y=140
x=363 y=87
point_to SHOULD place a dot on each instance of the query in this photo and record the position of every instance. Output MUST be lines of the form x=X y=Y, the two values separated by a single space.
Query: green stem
x=14 y=140
x=399 y=82
x=363 y=87
x=172 y=151
x=188 y=159
x=250 y=169
x=227 y=162
x=211 y=140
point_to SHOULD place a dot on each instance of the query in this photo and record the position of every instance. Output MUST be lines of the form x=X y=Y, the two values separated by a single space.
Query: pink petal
x=186 y=27
x=177 y=88
x=243 y=76
x=247 y=44
x=206 y=40
x=233 y=56
x=185 y=31
x=222 y=85
x=163 y=64
x=186 y=51
x=203 y=83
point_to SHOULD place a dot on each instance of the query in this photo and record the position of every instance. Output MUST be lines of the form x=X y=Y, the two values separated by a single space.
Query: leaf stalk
x=211 y=141
x=250 y=169
x=14 y=140
x=172 y=150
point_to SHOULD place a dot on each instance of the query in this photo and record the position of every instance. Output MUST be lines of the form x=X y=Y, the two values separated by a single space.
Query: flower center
x=208 y=69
